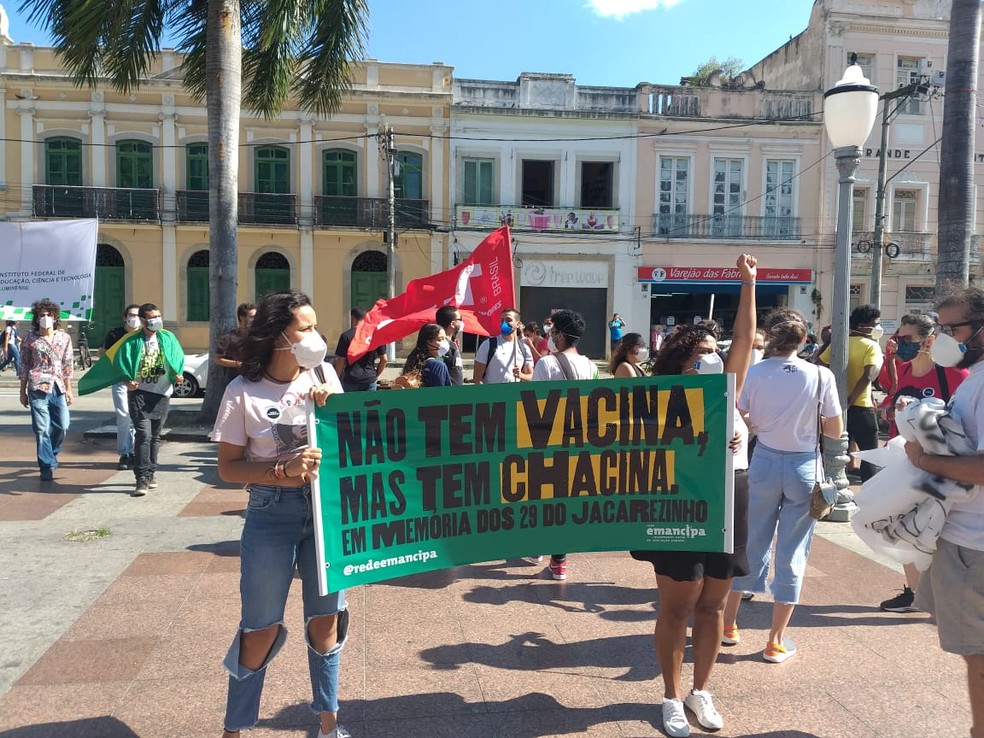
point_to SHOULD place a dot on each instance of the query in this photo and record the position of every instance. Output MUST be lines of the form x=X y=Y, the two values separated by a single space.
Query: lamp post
x=849 y=111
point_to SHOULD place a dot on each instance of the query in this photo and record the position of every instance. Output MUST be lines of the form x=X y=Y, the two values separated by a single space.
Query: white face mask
x=709 y=364
x=551 y=346
x=132 y=322
x=309 y=351
x=443 y=347
x=877 y=332
x=155 y=324
x=643 y=354
x=757 y=355
x=947 y=351
x=45 y=322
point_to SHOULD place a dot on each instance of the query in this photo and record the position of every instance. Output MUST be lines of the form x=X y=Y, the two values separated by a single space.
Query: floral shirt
x=46 y=361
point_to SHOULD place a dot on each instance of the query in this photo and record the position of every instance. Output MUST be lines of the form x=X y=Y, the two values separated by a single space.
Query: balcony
x=579 y=220
x=191 y=206
x=105 y=203
x=267 y=208
x=369 y=212
x=726 y=227
x=912 y=245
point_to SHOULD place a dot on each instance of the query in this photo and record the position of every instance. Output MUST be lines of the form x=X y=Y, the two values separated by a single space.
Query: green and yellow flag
x=121 y=361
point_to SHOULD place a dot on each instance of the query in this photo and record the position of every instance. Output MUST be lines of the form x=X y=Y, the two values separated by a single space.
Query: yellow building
x=312 y=200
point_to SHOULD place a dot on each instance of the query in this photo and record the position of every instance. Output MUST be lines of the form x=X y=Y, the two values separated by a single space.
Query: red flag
x=481 y=287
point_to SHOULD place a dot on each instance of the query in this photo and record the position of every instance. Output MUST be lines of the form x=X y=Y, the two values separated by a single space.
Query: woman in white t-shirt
x=262 y=433
x=785 y=401
x=695 y=583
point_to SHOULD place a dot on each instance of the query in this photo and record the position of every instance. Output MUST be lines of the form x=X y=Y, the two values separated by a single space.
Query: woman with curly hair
x=424 y=366
x=628 y=356
x=696 y=584
x=786 y=401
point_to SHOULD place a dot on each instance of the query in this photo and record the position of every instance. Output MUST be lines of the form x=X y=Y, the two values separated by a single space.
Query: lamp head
x=849 y=108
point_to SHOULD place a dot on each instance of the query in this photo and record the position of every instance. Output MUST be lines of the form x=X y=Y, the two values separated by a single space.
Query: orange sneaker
x=731 y=636
x=776 y=653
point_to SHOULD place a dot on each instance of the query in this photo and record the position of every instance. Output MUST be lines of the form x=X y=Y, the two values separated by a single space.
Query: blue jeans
x=278 y=537
x=124 y=426
x=49 y=421
x=12 y=357
x=779 y=486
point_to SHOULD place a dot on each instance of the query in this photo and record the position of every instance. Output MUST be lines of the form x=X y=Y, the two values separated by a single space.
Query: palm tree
x=956 y=198
x=273 y=48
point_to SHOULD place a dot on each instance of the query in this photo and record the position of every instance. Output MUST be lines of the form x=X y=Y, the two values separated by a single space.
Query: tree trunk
x=223 y=69
x=956 y=196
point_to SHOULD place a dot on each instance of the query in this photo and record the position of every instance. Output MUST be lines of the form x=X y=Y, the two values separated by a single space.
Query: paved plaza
x=122 y=636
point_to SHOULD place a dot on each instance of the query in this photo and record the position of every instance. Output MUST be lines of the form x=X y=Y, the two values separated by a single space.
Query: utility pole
x=901 y=95
x=390 y=227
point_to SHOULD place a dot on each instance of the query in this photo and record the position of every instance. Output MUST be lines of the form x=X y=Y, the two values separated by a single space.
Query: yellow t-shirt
x=861 y=352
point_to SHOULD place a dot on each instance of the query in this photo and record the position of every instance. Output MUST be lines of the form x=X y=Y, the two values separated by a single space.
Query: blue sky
x=600 y=42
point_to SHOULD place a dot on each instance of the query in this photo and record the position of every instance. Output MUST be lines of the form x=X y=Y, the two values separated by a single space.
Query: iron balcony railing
x=267 y=208
x=740 y=227
x=105 y=203
x=522 y=218
x=904 y=245
x=191 y=206
x=369 y=212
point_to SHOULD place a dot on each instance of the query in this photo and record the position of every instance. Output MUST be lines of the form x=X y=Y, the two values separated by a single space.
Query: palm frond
x=78 y=28
x=270 y=60
x=190 y=27
x=336 y=40
x=133 y=41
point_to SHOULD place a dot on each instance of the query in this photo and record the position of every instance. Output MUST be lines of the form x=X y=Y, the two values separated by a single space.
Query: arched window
x=409 y=179
x=134 y=165
x=196 y=166
x=340 y=174
x=63 y=161
x=368 y=279
x=198 y=286
x=272 y=274
x=272 y=169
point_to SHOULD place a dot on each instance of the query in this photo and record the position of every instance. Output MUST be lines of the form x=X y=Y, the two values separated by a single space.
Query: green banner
x=416 y=480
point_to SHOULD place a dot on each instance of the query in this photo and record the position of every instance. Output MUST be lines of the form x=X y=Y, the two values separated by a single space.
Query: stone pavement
x=122 y=636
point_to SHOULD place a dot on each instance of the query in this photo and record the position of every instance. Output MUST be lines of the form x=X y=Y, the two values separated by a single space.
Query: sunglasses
x=947 y=328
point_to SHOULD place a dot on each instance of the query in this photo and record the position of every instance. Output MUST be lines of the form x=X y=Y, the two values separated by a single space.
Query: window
x=866 y=62
x=727 y=197
x=272 y=274
x=272 y=170
x=198 y=287
x=904 y=204
x=854 y=301
x=917 y=296
x=478 y=182
x=134 y=165
x=779 y=174
x=859 y=210
x=340 y=178
x=597 y=184
x=538 y=183
x=408 y=179
x=906 y=73
x=196 y=161
x=673 y=204
x=63 y=162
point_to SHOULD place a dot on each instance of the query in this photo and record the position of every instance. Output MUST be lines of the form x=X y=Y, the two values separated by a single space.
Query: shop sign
x=721 y=275
x=568 y=274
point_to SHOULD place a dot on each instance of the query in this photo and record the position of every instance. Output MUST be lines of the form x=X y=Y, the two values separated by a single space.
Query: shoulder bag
x=824 y=493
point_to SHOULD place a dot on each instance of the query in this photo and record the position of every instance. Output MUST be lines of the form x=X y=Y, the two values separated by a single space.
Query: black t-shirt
x=113 y=336
x=362 y=372
x=452 y=360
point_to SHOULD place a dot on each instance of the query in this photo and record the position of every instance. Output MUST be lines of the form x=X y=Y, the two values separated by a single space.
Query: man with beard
x=449 y=318
x=953 y=587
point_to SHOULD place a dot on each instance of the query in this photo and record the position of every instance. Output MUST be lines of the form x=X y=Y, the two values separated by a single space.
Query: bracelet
x=747 y=284
x=279 y=470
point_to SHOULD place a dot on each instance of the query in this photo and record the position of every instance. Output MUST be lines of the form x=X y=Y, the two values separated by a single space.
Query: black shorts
x=691 y=566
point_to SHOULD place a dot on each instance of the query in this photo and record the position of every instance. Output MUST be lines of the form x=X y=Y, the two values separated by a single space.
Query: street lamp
x=849 y=113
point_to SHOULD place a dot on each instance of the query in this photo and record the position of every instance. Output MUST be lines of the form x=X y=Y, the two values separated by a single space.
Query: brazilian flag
x=121 y=361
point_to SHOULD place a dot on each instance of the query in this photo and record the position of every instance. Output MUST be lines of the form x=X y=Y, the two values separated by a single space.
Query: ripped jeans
x=278 y=537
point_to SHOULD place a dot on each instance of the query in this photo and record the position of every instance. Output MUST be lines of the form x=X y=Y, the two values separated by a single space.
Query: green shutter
x=340 y=178
x=134 y=165
x=198 y=293
x=409 y=182
x=196 y=174
x=63 y=162
x=273 y=170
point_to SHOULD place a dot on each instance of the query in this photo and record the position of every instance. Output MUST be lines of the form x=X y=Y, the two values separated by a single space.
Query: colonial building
x=312 y=201
x=896 y=44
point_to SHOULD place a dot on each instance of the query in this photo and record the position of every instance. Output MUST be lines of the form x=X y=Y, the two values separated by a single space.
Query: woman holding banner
x=262 y=433
x=787 y=402
x=693 y=584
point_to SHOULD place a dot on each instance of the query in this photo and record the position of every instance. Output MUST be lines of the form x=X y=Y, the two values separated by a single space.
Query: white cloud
x=620 y=8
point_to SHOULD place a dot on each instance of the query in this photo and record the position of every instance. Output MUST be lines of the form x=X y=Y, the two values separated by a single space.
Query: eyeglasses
x=947 y=328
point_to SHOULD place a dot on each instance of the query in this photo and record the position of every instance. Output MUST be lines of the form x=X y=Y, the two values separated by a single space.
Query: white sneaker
x=700 y=703
x=675 y=719
x=338 y=732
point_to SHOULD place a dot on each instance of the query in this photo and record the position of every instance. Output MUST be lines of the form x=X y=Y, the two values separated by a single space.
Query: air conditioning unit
x=938 y=78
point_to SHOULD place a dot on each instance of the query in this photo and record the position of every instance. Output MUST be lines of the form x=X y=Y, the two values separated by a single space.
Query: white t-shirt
x=780 y=398
x=152 y=374
x=507 y=354
x=548 y=367
x=964 y=524
x=268 y=418
x=741 y=455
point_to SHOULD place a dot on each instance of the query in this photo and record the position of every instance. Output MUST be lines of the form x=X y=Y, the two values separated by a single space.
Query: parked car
x=195 y=376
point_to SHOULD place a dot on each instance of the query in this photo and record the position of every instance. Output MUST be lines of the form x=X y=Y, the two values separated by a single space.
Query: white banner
x=54 y=259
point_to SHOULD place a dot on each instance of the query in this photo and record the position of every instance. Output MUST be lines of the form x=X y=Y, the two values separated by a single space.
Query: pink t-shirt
x=267 y=418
